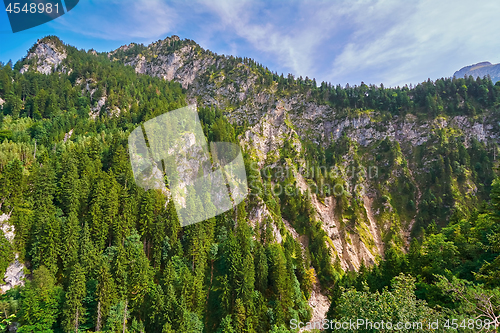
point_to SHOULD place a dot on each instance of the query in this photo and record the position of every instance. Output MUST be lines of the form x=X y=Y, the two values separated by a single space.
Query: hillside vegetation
x=377 y=203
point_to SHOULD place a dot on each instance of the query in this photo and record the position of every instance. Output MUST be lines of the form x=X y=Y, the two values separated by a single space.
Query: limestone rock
x=14 y=275
x=47 y=55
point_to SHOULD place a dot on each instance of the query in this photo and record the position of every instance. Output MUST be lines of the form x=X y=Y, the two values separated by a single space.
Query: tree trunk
x=125 y=316
x=98 y=324
x=211 y=278
x=76 y=321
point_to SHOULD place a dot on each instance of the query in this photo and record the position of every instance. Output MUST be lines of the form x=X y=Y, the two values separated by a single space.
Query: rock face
x=239 y=93
x=14 y=275
x=480 y=70
x=8 y=230
x=47 y=55
x=274 y=119
x=269 y=134
x=68 y=135
x=184 y=65
x=96 y=109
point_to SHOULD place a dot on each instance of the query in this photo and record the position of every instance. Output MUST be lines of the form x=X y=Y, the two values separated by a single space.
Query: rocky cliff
x=394 y=148
x=371 y=176
x=272 y=117
x=46 y=56
x=14 y=276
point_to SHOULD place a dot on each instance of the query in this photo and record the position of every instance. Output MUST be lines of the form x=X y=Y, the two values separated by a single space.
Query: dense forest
x=102 y=254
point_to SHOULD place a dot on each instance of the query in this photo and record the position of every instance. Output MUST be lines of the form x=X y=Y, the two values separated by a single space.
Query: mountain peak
x=53 y=41
x=45 y=54
x=480 y=69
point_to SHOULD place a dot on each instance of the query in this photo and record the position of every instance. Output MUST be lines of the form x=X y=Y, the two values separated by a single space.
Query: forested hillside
x=364 y=201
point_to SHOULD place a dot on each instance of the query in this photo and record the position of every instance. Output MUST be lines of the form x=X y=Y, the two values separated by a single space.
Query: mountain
x=481 y=70
x=349 y=186
x=274 y=109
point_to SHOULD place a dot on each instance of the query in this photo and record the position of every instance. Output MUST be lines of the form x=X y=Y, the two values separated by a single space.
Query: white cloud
x=293 y=44
x=342 y=41
x=121 y=20
x=425 y=39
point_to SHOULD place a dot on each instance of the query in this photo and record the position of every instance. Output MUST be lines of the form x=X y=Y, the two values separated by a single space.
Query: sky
x=374 y=41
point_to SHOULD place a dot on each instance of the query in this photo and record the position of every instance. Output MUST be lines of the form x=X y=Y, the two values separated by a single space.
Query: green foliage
x=447 y=266
x=400 y=305
x=40 y=303
x=73 y=311
x=6 y=253
x=105 y=255
x=473 y=300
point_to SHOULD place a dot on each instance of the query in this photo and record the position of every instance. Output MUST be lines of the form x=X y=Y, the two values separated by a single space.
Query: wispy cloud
x=121 y=19
x=399 y=43
x=291 y=35
x=341 y=41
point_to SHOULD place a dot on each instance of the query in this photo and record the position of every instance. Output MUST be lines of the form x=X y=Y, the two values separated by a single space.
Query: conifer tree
x=47 y=228
x=261 y=269
x=74 y=312
x=69 y=183
x=70 y=244
x=87 y=252
x=106 y=295
x=98 y=220
x=40 y=303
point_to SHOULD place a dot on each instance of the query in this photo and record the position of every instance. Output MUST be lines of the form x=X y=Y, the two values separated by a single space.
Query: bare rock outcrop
x=48 y=56
x=14 y=275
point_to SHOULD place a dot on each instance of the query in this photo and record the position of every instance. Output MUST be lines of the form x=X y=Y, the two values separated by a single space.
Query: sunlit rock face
x=48 y=57
x=14 y=275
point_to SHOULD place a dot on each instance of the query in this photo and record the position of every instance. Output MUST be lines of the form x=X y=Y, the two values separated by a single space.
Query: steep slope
x=389 y=136
x=481 y=70
x=273 y=112
x=339 y=177
x=101 y=253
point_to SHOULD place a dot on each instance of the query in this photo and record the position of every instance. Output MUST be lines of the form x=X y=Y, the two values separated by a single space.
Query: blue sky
x=375 y=41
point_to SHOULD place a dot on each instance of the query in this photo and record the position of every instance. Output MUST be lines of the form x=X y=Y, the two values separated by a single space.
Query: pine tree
x=495 y=198
x=70 y=244
x=261 y=269
x=106 y=295
x=112 y=206
x=40 y=303
x=239 y=316
x=47 y=228
x=146 y=219
x=139 y=272
x=120 y=271
x=87 y=252
x=98 y=221
x=69 y=184
x=74 y=312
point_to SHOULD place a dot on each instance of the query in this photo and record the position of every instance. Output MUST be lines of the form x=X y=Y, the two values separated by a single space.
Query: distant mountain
x=481 y=69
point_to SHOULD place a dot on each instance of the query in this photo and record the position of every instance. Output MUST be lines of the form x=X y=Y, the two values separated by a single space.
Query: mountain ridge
x=481 y=70
x=341 y=180
x=272 y=116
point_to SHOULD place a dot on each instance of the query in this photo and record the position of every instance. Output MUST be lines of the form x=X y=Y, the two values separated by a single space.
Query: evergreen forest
x=101 y=254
